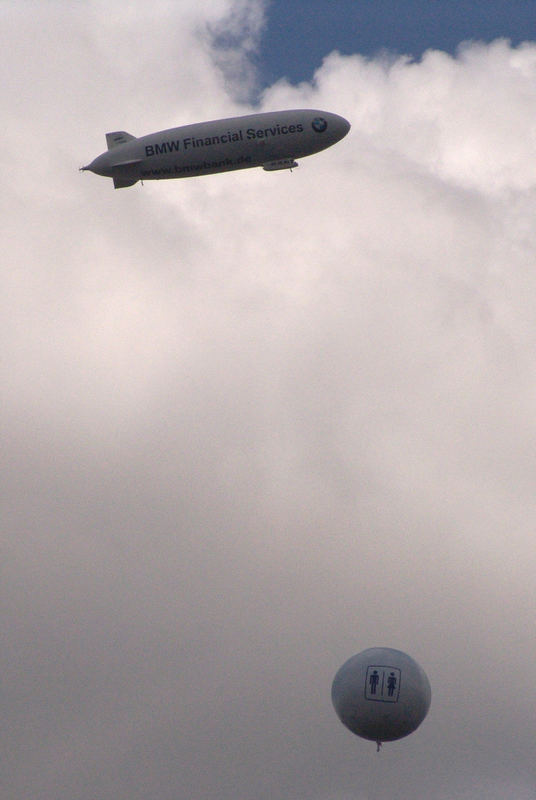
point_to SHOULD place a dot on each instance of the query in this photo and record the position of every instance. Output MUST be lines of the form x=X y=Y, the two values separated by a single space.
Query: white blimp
x=272 y=140
x=381 y=694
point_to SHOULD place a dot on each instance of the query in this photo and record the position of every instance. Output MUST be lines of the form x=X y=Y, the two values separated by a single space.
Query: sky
x=299 y=34
x=254 y=423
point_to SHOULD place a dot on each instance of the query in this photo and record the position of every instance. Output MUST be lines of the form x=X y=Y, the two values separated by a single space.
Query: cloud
x=254 y=423
x=234 y=40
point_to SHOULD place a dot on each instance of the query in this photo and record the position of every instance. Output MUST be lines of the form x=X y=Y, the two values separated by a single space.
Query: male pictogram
x=374 y=679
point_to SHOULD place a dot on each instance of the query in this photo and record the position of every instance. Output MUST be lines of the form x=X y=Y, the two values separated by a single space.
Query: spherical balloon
x=381 y=694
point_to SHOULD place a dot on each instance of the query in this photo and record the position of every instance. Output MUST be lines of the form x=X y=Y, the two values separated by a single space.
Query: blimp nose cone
x=338 y=127
x=341 y=126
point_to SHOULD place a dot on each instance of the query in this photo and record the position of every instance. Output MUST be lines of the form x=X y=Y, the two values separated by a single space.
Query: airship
x=271 y=140
x=381 y=694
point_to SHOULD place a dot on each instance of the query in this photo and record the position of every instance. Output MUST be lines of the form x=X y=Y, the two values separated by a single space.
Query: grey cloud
x=255 y=423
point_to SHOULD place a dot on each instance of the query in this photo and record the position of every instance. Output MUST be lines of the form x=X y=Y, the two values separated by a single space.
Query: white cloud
x=255 y=422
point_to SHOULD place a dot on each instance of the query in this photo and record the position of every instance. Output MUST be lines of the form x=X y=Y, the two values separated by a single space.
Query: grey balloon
x=381 y=694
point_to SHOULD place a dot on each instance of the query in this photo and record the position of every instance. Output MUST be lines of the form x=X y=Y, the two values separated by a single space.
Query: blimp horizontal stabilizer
x=124 y=164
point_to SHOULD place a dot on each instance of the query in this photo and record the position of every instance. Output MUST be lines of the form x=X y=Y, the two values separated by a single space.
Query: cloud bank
x=255 y=423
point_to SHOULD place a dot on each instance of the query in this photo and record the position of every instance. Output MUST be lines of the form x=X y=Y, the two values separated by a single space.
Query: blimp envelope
x=381 y=694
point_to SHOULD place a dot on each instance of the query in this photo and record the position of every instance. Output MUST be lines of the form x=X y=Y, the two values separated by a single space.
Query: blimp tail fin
x=126 y=173
x=121 y=183
x=116 y=138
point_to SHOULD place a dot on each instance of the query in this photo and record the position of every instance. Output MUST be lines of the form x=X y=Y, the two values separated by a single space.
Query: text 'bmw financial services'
x=224 y=138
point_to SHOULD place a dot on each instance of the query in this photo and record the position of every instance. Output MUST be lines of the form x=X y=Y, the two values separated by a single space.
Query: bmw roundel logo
x=319 y=124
